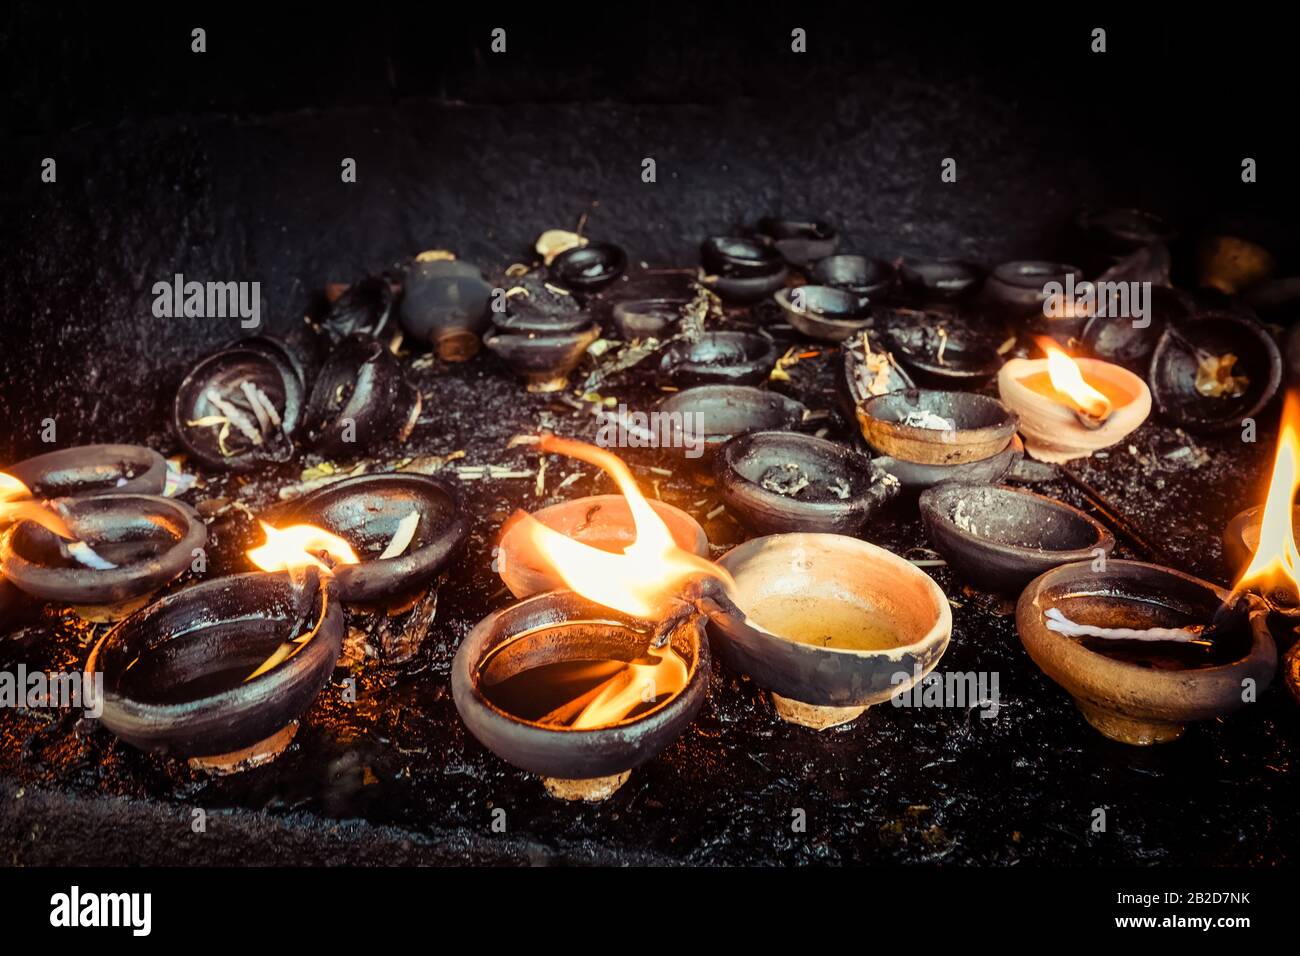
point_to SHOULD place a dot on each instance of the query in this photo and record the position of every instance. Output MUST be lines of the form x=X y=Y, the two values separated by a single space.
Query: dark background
x=225 y=165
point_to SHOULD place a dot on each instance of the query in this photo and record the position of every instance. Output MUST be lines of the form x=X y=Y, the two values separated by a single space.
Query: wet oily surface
x=396 y=768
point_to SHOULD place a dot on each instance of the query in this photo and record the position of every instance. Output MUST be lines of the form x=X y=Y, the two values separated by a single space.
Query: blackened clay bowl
x=863 y=277
x=152 y=540
x=860 y=380
x=647 y=318
x=937 y=280
x=167 y=668
x=360 y=399
x=823 y=313
x=718 y=412
x=1002 y=538
x=543 y=360
x=445 y=303
x=1133 y=702
x=91 y=470
x=916 y=476
x=364 y=307
x=1174 y=363
x=602 y=521
x=799 y=242
x=558 y=626
x=841 y=488
x=967 y=363
x=718 y=358
x=982 y=426
x=366 y=511
x=818 y=686
x=1018 y=287
x=1129 y=342
x=739 y=258
x=588 y=268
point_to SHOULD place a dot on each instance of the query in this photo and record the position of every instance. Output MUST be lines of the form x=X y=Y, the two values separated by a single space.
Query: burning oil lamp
x=360 y=399
x=829 y=624
x=1145 y=650
x=220 y=672
x=580 y=686
x=1070 y=408
x=87 y=470
x=384 y=535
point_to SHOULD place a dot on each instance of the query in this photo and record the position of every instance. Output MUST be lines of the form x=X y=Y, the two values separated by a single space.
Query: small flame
x=16 y=505
x=1274 y=566
x=1067 y=379
x=651 y=570
x=299 y=545
x=640 y=683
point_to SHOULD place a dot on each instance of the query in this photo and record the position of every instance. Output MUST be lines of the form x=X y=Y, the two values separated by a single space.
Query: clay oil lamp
x=588 y=268
x=939 y=280
x=581 y=686
x=936 y=427
x=1209 y=373
x=219 y=673
x=523 y=317
x=638 y=319
x=937 y=356
x=784 y=481
x=1001 y=538
x=742 y=270
x=599 y=521
x=914 y=477
x=864 y=277
x=1119 y=340
x=238 y=409
x=1070 y=408
x=543 y=359
x=445 y=304
x=717 y=413
x=866 y=371
x=1145 y=650
x=829 y=624
x=1019 y=287
x=824 y=313
x=364 y=308
x=102 y=550
x=87 y=470
x=402 y=530
x=360 y=399
x=1115 y=233
x=799 y=243
x=718 y=358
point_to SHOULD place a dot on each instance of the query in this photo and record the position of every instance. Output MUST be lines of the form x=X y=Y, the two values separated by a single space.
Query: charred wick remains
x=648 y=434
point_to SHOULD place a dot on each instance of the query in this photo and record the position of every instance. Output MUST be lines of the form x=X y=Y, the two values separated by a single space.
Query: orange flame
x=651 y=570
x=639 y=683
x=16 y=505
x=1067 y=379
x=300 y=545
x=1276 y=560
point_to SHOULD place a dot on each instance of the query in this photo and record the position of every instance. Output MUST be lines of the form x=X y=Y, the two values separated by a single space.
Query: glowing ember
x=1067 y=379
x=299 y=545
x=1273 y=568
x=16 y=505
x=651 y=571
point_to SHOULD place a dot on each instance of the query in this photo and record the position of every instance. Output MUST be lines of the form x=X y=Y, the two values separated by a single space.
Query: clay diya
x=637 y=319
x=525 y=678
x=220 y=672
x=1092 y=633
x=588 y=268
x=544 y=360
x=1000 y=538
x=1119 y=232
x=822 y=312
x=1019 y=287
x=360 y=399
x=935 y=427
x=915 y=476
x=718 y=358
x=938 y=357
x=238 y=409
x=363 y=308
x=1209 y=373
x=938 y=280
x=1070 y=408
x=829 y=624
x=866 y=371
x=523 y=316
x=742 y=270
x=445 y=304
x=1119 y=340
x=785 y=481
x=864 y=277
x=123 y=547
x=799 y=243
x=716 y=413
x=87 y=470
x=404 y=530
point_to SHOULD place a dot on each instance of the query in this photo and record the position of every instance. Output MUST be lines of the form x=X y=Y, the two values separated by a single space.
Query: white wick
x=1058 y=622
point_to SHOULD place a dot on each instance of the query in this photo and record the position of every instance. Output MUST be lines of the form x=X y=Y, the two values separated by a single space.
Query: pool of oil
x=826 y=622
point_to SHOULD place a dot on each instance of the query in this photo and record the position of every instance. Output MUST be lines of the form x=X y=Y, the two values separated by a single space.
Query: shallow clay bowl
x=982 y=426
x=558 y=626
x=647 y=318
x=819 y=686
x=602 y=521
x=739 y=258
x=915 y=477
x=799 y=242
x=1000 y=538
x=822 y=312
x=1018 y=286
x=967 y=364
x=1116 y=339
x=1172 y=377
x=588 y=268
x=723 y=411
x=939 y=279
x=152 y=540
x=543 y=361
x=718 y=358
x=162 y=665
x=365 y=511
x=1132 y=701
x=864 y=277
x=87 y=470
x=745 y=461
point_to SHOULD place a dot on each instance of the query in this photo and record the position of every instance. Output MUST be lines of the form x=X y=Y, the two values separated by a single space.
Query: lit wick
x=1091 y=407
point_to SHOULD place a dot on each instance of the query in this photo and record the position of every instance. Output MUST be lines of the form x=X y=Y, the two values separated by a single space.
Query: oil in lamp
x=1070 y=407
